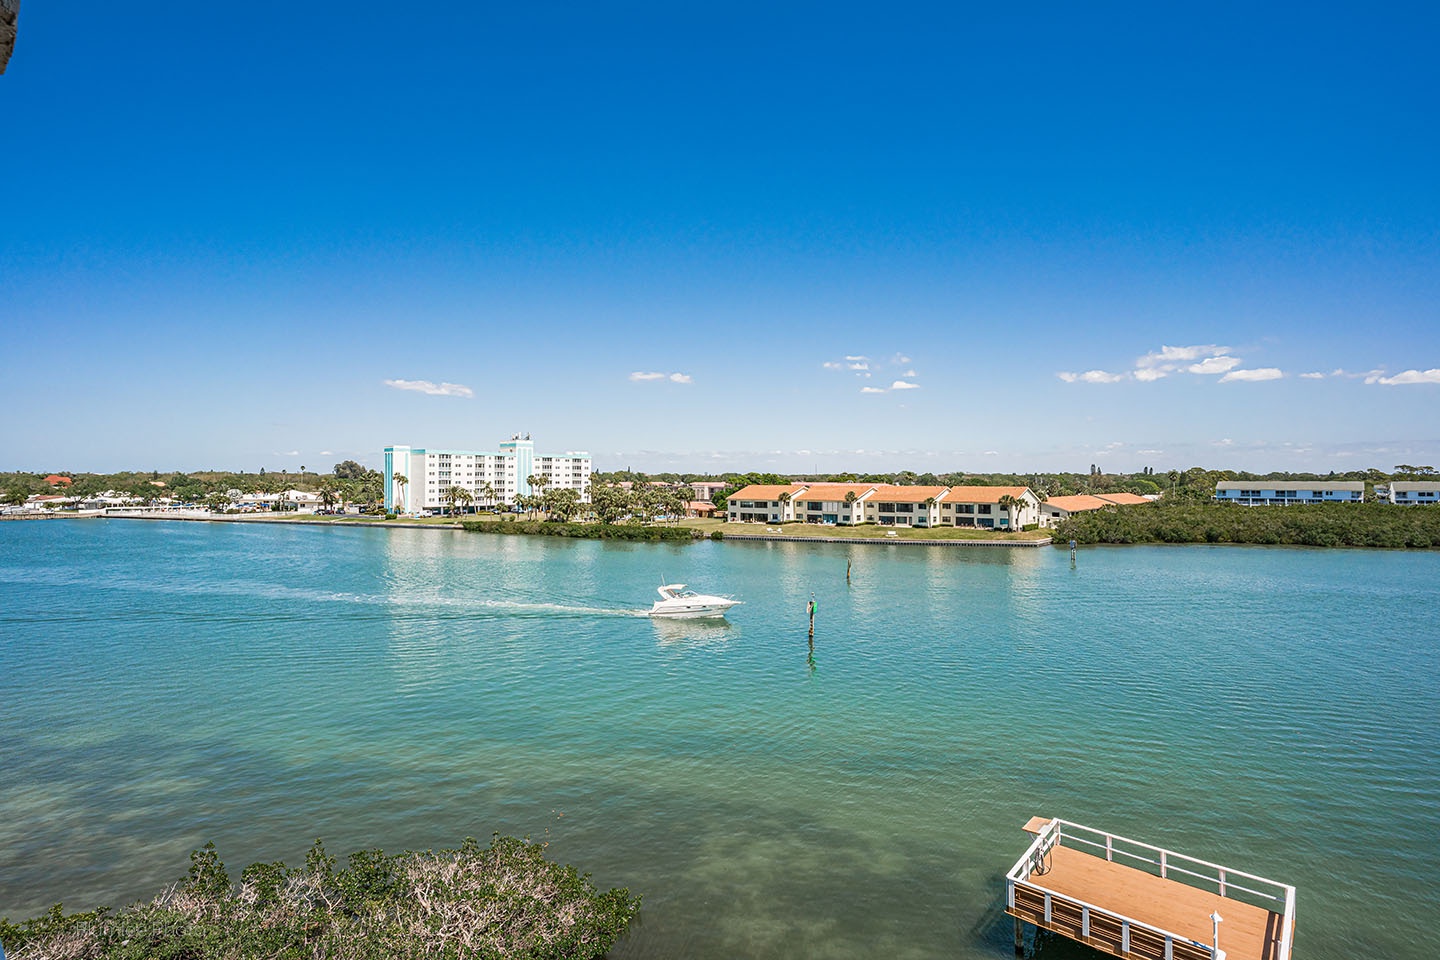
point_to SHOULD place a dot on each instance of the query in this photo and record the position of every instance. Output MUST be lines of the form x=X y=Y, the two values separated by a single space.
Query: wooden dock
x=1129 y=899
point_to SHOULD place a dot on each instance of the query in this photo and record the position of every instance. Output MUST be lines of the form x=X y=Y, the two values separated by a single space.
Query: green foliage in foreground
x=502 y=901
x=1311 y=525
x=583 y=531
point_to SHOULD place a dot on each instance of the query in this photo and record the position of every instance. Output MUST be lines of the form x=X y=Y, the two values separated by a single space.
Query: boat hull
x=691 y=612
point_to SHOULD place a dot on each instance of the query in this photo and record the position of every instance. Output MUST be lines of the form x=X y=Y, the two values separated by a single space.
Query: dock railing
x=1232 y=884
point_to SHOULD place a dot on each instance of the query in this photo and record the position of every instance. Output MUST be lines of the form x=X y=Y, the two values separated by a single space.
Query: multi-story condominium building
x=491 y=478
x=1268 y=492
x=1413 y=491
x=887 y=504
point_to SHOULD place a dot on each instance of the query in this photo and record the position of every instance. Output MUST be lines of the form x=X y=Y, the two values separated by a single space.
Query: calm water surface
x=163 y=684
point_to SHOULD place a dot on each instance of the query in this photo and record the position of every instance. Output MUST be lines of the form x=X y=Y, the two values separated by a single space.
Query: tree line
x=349 y=483
x=1314 y=525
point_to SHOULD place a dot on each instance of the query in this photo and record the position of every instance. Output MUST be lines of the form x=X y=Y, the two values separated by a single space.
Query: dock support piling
x=1019 y=937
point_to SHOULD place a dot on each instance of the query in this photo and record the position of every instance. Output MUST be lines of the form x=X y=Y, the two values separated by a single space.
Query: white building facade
x=493 y=479
x=1276 y=492
x=1414 y=492
x=884 y=504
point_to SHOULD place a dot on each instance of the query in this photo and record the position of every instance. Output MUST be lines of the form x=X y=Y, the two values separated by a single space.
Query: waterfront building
x=491 y=478
x=1414 y=492
x=832 y=502
x=1004 y=508
x=897 y=506
x=1271 y=492
x=1055 y=509
x=886 y=504
x=762 y=503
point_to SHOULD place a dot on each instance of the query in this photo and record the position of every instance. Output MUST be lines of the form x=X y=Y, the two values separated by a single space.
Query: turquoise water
x=164 y=683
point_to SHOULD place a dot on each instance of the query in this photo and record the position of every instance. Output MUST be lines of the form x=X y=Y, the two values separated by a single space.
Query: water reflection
x=694 y=632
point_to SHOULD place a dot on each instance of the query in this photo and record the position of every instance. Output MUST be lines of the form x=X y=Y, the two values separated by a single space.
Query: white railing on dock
x=1232 y=884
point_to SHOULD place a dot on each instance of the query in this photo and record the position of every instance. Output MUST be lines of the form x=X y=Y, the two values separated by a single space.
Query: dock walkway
x=1129 y=899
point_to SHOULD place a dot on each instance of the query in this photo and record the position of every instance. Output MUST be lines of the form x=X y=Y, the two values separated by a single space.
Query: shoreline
x=888 y=541
x=197 y=517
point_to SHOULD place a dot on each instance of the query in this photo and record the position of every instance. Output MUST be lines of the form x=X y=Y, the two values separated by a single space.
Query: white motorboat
x=678 y=603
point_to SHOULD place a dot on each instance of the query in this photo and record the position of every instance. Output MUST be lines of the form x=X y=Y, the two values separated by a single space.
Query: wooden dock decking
x=1132 y=900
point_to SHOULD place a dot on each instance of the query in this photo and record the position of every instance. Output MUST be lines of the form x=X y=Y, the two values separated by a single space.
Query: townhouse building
x=886 y=504
x=1280 y=492
x=1412 y=492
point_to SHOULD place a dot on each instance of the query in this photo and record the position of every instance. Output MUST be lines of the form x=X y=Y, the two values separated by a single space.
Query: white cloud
x=1408 y=376
x=849 y=363
x=909 y=373
x=872 y=389
x=1312 y=376
x=858 y=359
x=1227 y=442
x=1214 y=365
x=327 y=453
x=900 y=360
x=1169 y=357
x=287 y=453
x=1091 y=376
x=432 y=389
x=904 y=385
x=1259 y=373
x=1155 y=365
x=641 y=377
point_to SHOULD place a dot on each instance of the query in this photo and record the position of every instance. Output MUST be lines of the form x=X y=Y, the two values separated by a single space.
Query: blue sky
x=699 y=238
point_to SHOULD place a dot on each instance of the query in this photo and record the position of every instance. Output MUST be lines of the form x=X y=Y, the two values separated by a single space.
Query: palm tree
x=487 y=491
x=457 y=494
x=1015 y=505
x=327 y=494
x=401 y=481
x=466 y=497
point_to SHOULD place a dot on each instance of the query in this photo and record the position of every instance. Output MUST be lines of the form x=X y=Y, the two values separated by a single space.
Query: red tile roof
x=890 y=493
x=835 y=491
x=1126 y=499
x=1078 y=503
x=759 y=491
x=982 y=494
x=55 y=478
